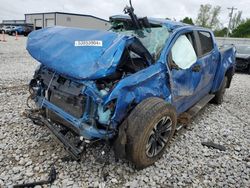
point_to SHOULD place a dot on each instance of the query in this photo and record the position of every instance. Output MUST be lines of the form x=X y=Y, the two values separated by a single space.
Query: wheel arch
x=120 y=142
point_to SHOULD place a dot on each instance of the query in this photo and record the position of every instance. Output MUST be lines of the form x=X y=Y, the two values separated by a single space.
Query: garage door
x=49 y=22
x=38 y=23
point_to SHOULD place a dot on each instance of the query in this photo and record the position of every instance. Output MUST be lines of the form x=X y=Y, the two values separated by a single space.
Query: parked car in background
x=128 y=85
x=14 y=29
x=21 y=30
x=243 y=58
x=6 y=29
x=27 y=30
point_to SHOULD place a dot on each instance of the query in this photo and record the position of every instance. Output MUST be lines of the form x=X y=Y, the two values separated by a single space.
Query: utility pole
x=230 y=20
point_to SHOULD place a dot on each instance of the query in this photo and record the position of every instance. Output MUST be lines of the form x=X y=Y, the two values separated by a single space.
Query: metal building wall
x=35 y=19
x=87 y=22
x=13 y=22
x=41 y=20
x=49 y=20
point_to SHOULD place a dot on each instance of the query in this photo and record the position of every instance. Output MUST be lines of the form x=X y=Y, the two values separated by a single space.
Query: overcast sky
x=178 y=9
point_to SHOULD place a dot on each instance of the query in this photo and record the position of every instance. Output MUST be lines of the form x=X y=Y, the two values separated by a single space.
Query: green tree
x=187 y=20
x=208 y=16
x=243 y=30
x=221 y=32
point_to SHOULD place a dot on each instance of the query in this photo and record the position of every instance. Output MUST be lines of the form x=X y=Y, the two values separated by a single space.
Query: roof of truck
x=168 y=23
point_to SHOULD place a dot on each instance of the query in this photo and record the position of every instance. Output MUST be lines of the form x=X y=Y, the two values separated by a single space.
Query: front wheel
x=150 y=127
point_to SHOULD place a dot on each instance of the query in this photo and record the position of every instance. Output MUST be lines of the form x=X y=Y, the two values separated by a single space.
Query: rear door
x=208 y=55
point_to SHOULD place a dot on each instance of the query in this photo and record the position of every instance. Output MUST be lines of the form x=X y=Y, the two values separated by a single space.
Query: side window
x=183 y=53
x=206 y=42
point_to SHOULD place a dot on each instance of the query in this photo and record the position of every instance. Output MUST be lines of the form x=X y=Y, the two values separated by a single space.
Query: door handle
x=196 y=68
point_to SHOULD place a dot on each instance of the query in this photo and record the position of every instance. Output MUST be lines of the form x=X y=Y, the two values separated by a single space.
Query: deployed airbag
x=183 y=53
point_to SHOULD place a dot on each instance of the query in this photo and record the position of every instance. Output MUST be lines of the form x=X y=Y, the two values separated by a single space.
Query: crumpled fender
x=149 y=82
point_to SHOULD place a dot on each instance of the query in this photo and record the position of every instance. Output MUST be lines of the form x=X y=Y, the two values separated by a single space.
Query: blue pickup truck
x=129 y=85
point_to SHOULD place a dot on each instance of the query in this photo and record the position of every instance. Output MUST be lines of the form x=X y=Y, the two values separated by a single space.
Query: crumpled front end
x=89 y=88
x=76 y=105
x=95 y=109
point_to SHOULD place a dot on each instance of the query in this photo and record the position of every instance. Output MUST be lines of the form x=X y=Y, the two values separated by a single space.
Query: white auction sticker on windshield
x=88 y=43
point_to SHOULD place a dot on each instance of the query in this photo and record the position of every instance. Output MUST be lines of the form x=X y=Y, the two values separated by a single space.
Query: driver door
x=186 y=72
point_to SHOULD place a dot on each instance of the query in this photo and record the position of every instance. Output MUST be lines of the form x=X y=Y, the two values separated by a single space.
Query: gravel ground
x=27 y=151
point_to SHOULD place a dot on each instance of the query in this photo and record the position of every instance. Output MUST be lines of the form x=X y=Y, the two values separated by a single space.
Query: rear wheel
x=219 y=95
x=150 y=127
x=248 y=70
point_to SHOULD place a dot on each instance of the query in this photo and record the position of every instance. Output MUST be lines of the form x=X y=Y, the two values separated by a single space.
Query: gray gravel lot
x=27 y=150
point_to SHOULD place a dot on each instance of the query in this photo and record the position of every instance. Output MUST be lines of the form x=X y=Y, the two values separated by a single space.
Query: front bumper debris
x=75 y=150
x=77 y=125
x=70 y=148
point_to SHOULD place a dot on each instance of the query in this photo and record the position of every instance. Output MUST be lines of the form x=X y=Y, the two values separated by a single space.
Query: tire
x=248 y=70
x=144 y=121
x=219 y=95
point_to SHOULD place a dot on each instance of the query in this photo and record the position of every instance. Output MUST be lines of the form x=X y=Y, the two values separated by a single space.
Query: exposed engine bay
x=68 y=95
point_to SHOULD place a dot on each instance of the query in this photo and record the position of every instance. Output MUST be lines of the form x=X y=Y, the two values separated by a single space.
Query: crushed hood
x=78 y=53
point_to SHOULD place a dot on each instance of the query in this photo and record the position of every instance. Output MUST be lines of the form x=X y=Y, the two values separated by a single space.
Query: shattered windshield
x=153 y=39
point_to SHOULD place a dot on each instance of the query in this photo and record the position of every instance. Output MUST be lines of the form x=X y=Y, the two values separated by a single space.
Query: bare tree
x=208 y=16
x=214 y=21
x=203 y=15
x=237 y=20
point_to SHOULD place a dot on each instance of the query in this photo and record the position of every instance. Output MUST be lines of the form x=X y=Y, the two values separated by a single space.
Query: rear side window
x=206 y=42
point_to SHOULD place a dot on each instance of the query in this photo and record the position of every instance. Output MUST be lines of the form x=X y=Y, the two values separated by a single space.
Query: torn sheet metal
x=150 y=82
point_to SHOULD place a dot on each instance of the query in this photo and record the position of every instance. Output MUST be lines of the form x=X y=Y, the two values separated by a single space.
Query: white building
x=41 y=20
x=13 y=22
